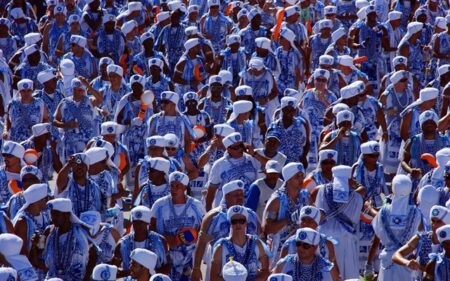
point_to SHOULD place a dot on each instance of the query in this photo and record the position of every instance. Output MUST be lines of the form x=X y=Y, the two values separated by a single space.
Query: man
x=306 y=263
x=410 y=47
x=251 y=32
x=240 y=119
x=391 y=38
x=322 y=174
x=12 y=154
x=180 y=228
x=53 y=30
x=143 y=238
x=10 y=246
x=141 y=60
x=437 y=269
x=319 y=42
x=277 y=222
x=261 y=190
x=215 y=26
x=109 y=41
x=342 y=201
x=77 y=186
x=233 y=165
x=143 y=263
x=232 y=58
x=241 y=247
x=215 y=225
x=85 y=64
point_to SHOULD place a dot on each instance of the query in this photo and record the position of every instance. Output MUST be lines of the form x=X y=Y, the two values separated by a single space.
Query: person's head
x=81 y=166
x=325 y=27
x=272 y=171
x=287 y=38
x=238 y=218
x=155 y=146
x=293 y=175
x=427 y=98
x=214 y=7
x=155 y=66
x=306 y=240
x=428 y=121
x=191 y=101
x=440 y=25
x=443 y=234
x=243 y=17
x=33 y=54
x=193 y=12
x=25 y=88
x=175 y=12
x=321 y=77
x=288 y=108
x=339 y=37
x=178 y=185
x=36 y=196
x=172 y=144
x=309 y=217
x=263 y=46
x=394 y=18
x=30 y=175
x=327 y=160
x=99 y=158
x=115 y=74
x=48 y=79
x=137 y=83
x=5 y=25
x=78 y=89
x=61 y=211
x=78 y=43
x=129 y=29
x=103 y=65
x=60 y=12
x=140 y=219
x=94 y=5
x=233 y=193
x=147 y=40
x=326 y=62
x=370 y=151
x=18 y=15
x=104 y=272
x=400 y=81
x=345 y=63
x=12 y=153
x=234 y=145
x=439 y=216
x=92 y=219
x=421 y=15
x=109 y=23
x=344 y=119
x=143 y=263
x=169 y=102
x=414 y=30
x=272 y=142
x=109 y=131
x=444 y=74
x=234 y=42
x=241 y=111
x=255 y=19
x=159 y=169
x=292 y=14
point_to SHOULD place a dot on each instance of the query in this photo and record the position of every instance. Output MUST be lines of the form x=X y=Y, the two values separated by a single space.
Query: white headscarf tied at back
x=401 y=188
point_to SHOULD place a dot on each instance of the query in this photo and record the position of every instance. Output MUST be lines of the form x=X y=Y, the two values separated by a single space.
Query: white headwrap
x=40 y=129
x=291 y=169
x=441 y=213
x=328 y=154
x=234 y=271
x=341 y=175
x=179 y=177
x=232 y=186
x=141 y=213
x=231 y=139
x=223 y=130
x=443 y=233
x=427 y=198
x=401 y=188
x=326 y=60
x=307 y=235
x=370 y=147
x=104 y=272
x=310 y=212
x=145 y=258
x=344 y=115
x=237 y=210
x=279 y=277
x=239 y=107
x=428 y=115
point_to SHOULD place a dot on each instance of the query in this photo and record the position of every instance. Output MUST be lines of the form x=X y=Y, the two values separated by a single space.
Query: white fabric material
x=114 y=68
x=444 y=69
x=427 y=198
x=32 y=38
x=145 y=258
x=14 y=148
x=401 y=188
x=128 y=26
x=338 y=34
x=237 y=210
x=327 y=154
x=428 y=115
x=291 y=170
x=160 y=277
x=215 y=79
x=397 y=76
x=310 y=212
x=243 y=90
x=171 y=140
x=344 y=115
x=240 y=107
x=326 y=60
x=25 y=84
x=288 y=101
x=346 y=60
x=441 y=213
x=179 y=177
x=79 y=40
x=109 y=128
x=370 y=147
x=104 y=272
x=341 y=175
x=30 y=169
x=170 y=96
x=232 y=139
x=93 y=219
x=160 y=164
x=308 y=235
x=8 y=274
x=46 y=75
x=137 y=79
x=394 y=15
x=159 y=141
x=191 y=43
x=223 y=130
x=321 y=73
x=141 y=213
x=443 y=233
x=232 y=186
x=339 y=107
x=234 y=271
x=399 y=60
x=162 y=16
x=273 y=166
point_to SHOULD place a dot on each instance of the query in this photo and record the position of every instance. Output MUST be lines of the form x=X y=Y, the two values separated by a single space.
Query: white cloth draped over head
x=239 y=107
x=307 y=235
x=401 y=188
x=237 y=210
x=427 y=198
x=234 y=271
x=341 y=175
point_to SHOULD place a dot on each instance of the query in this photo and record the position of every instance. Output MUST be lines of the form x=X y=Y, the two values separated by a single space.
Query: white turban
x=240 y=107
x=232 y=139
x=223 y=130
x=232 y=186
x=141 y=213
x=307 y=235
x=179 y=177
x=341 y=175
x=237 y=210
x=145 y=258
x=291 y=169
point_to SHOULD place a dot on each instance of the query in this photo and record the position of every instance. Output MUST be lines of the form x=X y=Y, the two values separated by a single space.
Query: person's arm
x=63 y=176
x=177 y=75
x=57 y=121
x=21 y=230
x=203 y=239
x=45 y=115
x=187 y=141
x=436 y=50
x=444 y=123
x=271 y=224
x=406 y=250
x=45 y=39
x=329 y=143
x=9 y=225
x=304 y=158
x=190 y=168
x=117 y=261
x=98 y=97
x=260 y=158
x=405 y=125
x=210 y=195
x=429 y=271
x=6 y=127
x=369 y=268
x=335 y=274
x=382 y=122
x=263 y=271
x=216 y=265
x=136 y=188
x=404 y=51
x=415 y=172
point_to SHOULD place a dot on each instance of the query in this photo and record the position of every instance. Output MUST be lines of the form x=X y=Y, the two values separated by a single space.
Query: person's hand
x=215 y=142
x=295 y=217
x=83 y=80
x=136 y=121
x=35 y=239
x=71 y=125
x=5 y=135
x=416 y=173
x=353 y=183
x=196 y=274
x=72 y=161
x=392 y=111
x=413 y=264
x=385 y=137
x=249 y=149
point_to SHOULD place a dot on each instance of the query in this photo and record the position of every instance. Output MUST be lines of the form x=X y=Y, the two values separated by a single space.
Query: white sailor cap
x=160 y=164
x=17 y=13
x=114 y=69
x=243 y=90
x=190 y=96
x=79 y=40
x=242 y=13
x=147 y=35
x=31 y=170
x=237 y=210
x=397 y=76
x=60 y=9
x=234 y=271
x=212 y=3
x=104 y=272
x=156 y=62
x=346 y=60
x=179 y=177
x=160 y=277
x=444 y=69
x=145 y=258
x=128 y=26
x=361 y=4
x=156 y=140
x=239 y=107
x=352 y=90
x=32 y=38
x=13 y=148
x=327 y=154
x=319 y=72
x=279 y=277
x=440 y=22
x=108 y=18
x=339 y=33
x=263 y=43
x=443 y=233
x=420 y=11
x=370 y=9
x=193 y=8
x=134 y=6
x=288 y=101
x=339 y=107
x=5 y=21
x=170 y=96
x=272 y=166
x=97 y=154
x=307 y=235
x=399 y=60
x=162 y=16
x=191 y=30
x=31 y=49
x=441 y=213
x=223 y=130
x=175 y=6
x=74 y=18
x=253 y=13
x=344 y=115
x=191 y=43
x=8 y=274
x=329 y=10
x=428 y=115
x=256 y=63
x=76 y=84
x=232 y=186
x=67 y=67
x=137 y=79
x=291 y=169
x=370 y=147
x=232 y=139
x=233 y=38
x=46 y=75
x=141 y=213
x=40 y=129
x=35 y=192
x=215 y=79
x=292 y=10
x=414 y=27
x=109 y=128
x=25 y=84
x=325 y=24
x=326 y=60
x=394 y=15
x=310 y=212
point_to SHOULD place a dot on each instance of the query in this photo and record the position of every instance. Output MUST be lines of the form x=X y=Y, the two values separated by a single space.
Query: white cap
x=361 y=4
x=288 y=101
x=440 y=22
x=30 y=170
x=74 y=18
x=175 y=6
x=231 y=139
x=443 y=233
x=108 y=18
x=192 y=8
x=13 y=148
x=289 y=35
x=329 y=10
x=292 y=169
x=46 y=75
x=328 y=154
x=137 y=79
x=97 y=154
x=341 y=174
x=321 y=73
x=420 y=11
x=215 y=79
x=212 y=3
x=394 y=15
x=263 y=43
x=292 y=10
x=237 y=210
x=5 y=21
x=162 y=16
x=160 y=164
x=35 y=193
x=399 y=60
x=233 y=38
x=191 y=30
x=31 y=49
x=239 y=107
x=370 y=147
x=16 y=13
x=114 y=68
x=414 y=27
x=170 y=96
x=243 y=90
x=223 y=130
x=256 y=63
x=191 y=43
x=63 y=205
x=109 y=128
x=325 y=24
x=279 y=277
x=242 y=13
x=10 y=244
x=234 y=271
x=147 y=35
x=128 y=26
x=345 y=115
x=25 y=84
x=79 y=40
x=310 y=212
x=397 y=76
x=145 y=258
x=273 y=166
x=370 y=9
x=179 y=177
x=341 y=32
x=190 y=96
x=60 y=9
x=32 y=38
x=134 y=6
x=308 y=235
x=441 y=213
x=326 y=60
x=160 y=277
x=346 y=60
x=40 y=129
x=444 y=69
x=339 y=107
x=352 y=90
x=232 y=186
x=253 y=12
x=104 y=272
x=8 y=274
x=155 y=62
x=141 y=213
x=401 y=185
x=156 y=140
x=428 y=115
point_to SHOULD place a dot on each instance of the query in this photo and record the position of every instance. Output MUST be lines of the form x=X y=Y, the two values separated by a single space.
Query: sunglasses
x=6 y=155
x=403 y=80
x=305 y=246
x=323 y=80
x=237 y=147
x=238 y=221
x=171 y=148
x=372 y=155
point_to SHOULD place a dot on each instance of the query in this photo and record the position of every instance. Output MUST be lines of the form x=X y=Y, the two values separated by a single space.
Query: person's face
x=26 y=93
x=4 y=29
x=177 y=189
x=238 y=224
x=139 y=226
x=59 y=218
x=272 y=176
x=155 y=70
x=34 y=58
x=245 y=115
x=396 y=23
x=429 y=104
x=327 y=164
x=234 y=47
x=345 y=124
x=80 y=170
x=42 y=138
x=422 y=18
x=372 y=17
x=175 y=17
x=243 y=21
x=216 y=88
x=236 y=150
x=305 y=250
x=115 y=79
x=75 y=28
x=60 y=18
x=94 y=5
x=289 y=112
x=285 y=43
x=78 y=92
x=193 y=16
x=111 y=138
x=435 y=224
x=296 y=180
x=110 y=26
x=103 y=68
x=137 y=88
x=10 y=160
x=371 y=158
x=191 y=104
x=194 y=51
x=155 y=151
x=401 y=85
x=429 y=126
x=136 y=269
x=214 y=10
x=308 y=222
x=167 y=105
x=148 y=44
x=28 y=180
x=235 y=198
x=171 y=151
x=272 y=143
x=261 y=52
x=154 y=174
x=256 y=21
x=342 y=41
x=50 y=85
x=75 y=48
x=40 y=204
x=326 y=32
x=320 y=83
x=330 y=17
x=416 y=35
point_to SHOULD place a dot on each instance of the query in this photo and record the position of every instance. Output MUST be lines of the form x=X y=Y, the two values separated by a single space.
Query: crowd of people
x=225 y=140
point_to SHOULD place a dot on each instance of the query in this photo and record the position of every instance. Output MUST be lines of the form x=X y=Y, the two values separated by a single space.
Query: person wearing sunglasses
x=241 y=247
x=240 y=118
x=216 y=226
x=400 y=63
x=12 y=154
x=182 y=160
x=306 y=264
x=342 y=201
x=322 y=174
x=84 y=61
x=178 y=218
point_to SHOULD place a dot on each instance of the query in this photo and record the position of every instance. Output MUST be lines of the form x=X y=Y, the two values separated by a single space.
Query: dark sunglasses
x=305 y=246
x=372 y=155
x=171 y=148
x=238 y=221
x=323 y=80
x=237 y=147
x=403 y=80
x=6 y=155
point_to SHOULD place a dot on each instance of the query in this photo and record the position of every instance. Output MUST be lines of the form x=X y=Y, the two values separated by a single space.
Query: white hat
x=440 y=22
x=160 y=164
x=345 y=115
x=441 y=213
x=397 y=76
x=212 y=3
x=76 y=84
x=289 y=11
x=74 y=18
x=191 y=43
x=239 y=107
x=243 y=90
x=341 y=174
x=291 y=169
x=414 y=27
x=231 y=139
x=147 y=35
x=162 y=16
x=93 y=220
x=35 y=193
x=425 y=94
x=108 y=18
x=307 y=235
x=97 y=154
x=328 y=154
x=31 y=49
x=67 y=67
x=279 y=277
x=141 y=213
x=394 y=15
x=193 y=8
x=64 y=205
x=46 y=75
x=273 y=166
x=191 y=30
x=40 y=129
x=171 y=140
x=233 y=38
x=8 y=274
x=81 y=158
x=5 y=21
x=160 y=277
x=145 y=258
x=361 y=4
x=223 y=130
x=346 y=60
x=428 y=115
x=289 y=35
x=321 y=73
x=25 y=84
x=444 y=69
x=234 y=271
x=128 y=26
x=11 y=244
x=310 y=212
x=175 y=6
x=329 y=10
x=370 y=147
x=104 y=272
x=106 y=145
x=134 y=6
x=288 y=101
x=256 y=63
x=13 y=148
x=50 y=3
x=237 y=210
x=155 y=62
x=109 y=128
x=170 y=96
x=114 y=68
x=32 y=38
x=361 y=14
x=156 y=140
x=190 y=96
x=242 y=13
x=420 y=11
x=325 y=24
x=215 y=79
x=179 y=177
x=60 y=9
x=447 y=19
x=399 y=60
x=326 y=60
x=232 y=186
x=16 y=13
x=339 y=107
x=443 y=233
x=263 y=43
x=79 y=40
x=289 y=92
x=341 y=32
x=30 y=170
x=137 y=79
x=370 y=9
x=352 y=90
